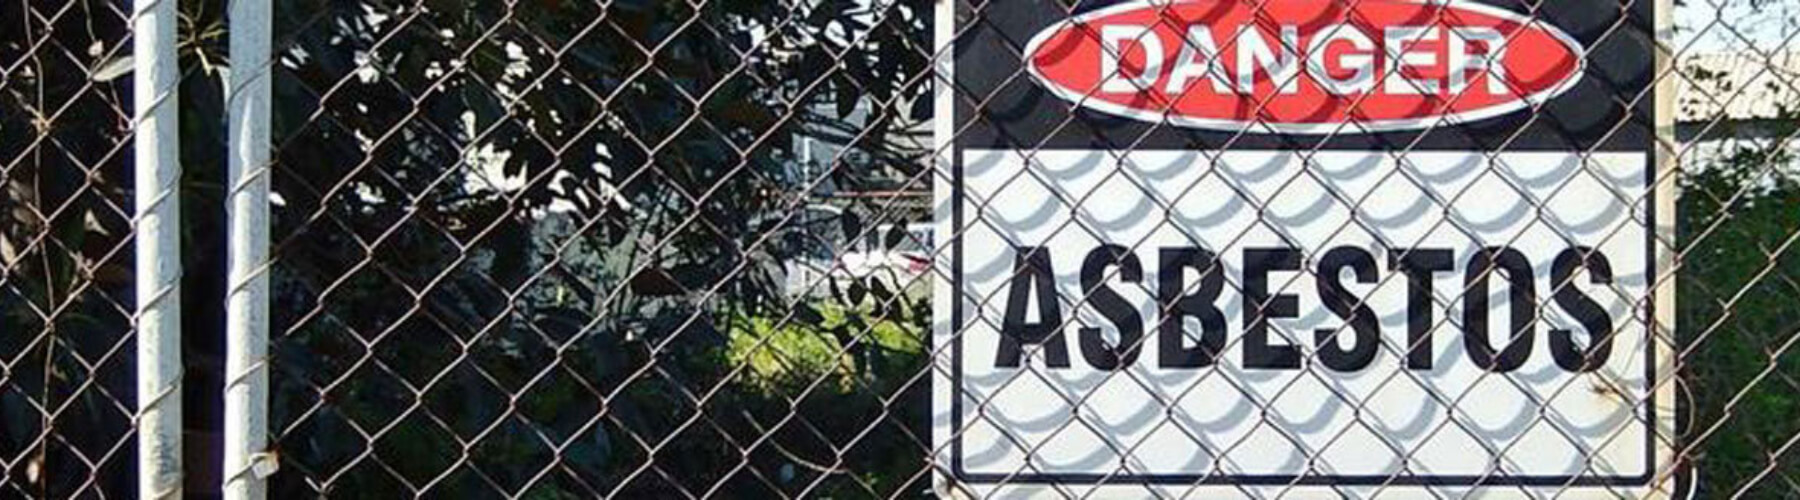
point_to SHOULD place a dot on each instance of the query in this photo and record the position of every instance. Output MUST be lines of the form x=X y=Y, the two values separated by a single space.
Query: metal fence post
x=1668 y=169
x=247 y=299
x=156 y=143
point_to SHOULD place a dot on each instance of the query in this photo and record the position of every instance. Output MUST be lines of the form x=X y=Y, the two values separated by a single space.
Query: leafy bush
x=1738 y=321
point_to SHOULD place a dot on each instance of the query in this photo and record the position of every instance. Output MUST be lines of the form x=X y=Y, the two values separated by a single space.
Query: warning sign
x=1263 y=246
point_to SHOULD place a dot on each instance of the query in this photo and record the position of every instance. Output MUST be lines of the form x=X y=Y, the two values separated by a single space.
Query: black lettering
x=1176 y=308
x=1032 y=273
x=1585 y=309
x=1362 y=320
x=1116 y=309
x=1420 y=265
x=1522 y=296
x=1260 y=307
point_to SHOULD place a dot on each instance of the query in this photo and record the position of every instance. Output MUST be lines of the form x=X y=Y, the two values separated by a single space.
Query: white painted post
x=1662 y=332
x=247 y=463
x=157 y=237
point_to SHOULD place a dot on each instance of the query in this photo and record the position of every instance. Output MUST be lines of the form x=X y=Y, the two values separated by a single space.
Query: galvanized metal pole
x=1670 y=482
x=247 y=462
x=157 y=238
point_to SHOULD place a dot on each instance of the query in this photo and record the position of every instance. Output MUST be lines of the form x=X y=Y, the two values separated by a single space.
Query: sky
x=1705 y=26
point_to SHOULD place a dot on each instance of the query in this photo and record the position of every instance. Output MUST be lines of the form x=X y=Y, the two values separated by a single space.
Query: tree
x=511 y=229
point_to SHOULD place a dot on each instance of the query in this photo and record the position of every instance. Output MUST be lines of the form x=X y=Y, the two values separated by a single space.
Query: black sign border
x=958 y=324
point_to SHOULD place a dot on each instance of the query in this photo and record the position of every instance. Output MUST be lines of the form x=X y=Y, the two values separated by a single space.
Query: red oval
x=1420 y=64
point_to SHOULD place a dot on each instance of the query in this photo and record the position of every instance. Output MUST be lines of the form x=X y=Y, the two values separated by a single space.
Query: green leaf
x=895 y=236
x=857 y=293
x=847 y=96
x=806 y=314
x=852 y=226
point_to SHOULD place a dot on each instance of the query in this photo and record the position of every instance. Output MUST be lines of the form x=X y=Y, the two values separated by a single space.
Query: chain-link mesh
x=66 y=302
x=684 y=249
x=655 y=249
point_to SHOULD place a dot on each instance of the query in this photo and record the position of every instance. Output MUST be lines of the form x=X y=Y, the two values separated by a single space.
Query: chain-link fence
x=67 y=397
x=680 y=249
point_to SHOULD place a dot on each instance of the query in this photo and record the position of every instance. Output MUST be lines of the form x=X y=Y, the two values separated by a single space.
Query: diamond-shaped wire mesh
x=683 y=249
x=687 y=248
x=588 y=226
x=66 y=390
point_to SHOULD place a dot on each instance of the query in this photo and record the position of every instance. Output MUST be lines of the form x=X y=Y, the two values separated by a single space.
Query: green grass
x=843 y=343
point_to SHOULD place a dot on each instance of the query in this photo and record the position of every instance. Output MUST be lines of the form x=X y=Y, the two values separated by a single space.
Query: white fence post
x=157 y=233
x=247 y=463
